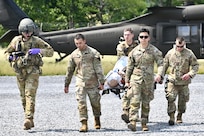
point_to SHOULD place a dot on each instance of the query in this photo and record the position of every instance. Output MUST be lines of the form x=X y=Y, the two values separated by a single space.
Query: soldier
x=183 y=67
x=25 y=54
x=140 y=78
x=89 y=80
x=123 y=49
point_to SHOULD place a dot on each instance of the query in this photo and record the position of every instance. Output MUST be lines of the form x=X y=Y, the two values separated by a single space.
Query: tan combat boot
x=132 y=125
x=172 y=119
x=84 y=127
x=179 y=118
x=27 y=124
x=97 y=123
x=144 y=127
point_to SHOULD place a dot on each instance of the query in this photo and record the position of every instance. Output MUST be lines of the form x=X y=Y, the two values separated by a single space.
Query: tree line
x=66 y=14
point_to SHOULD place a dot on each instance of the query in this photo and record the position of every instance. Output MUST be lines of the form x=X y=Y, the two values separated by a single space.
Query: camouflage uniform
x=179 y=64
x=140 y=75
x=88 y=75
x=27 y=68
x=123 y=49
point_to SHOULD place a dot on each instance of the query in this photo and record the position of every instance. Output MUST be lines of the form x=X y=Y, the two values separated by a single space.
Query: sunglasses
x=145 y=37
x=180 y=46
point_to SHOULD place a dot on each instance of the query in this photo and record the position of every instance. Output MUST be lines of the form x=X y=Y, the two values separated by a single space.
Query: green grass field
x=50 y=67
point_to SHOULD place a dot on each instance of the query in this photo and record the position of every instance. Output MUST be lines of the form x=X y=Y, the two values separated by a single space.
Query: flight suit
x=140 y=75
x=89 y=74
x=179 y=63
x=27 y=69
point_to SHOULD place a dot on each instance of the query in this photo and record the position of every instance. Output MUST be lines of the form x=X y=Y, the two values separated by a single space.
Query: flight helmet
x=26 y=25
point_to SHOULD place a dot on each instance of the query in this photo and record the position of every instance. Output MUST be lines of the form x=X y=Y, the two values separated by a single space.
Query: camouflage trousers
x=28 y=84
x=94 y=97
x=172 y=91
x=140 y=95
x=126 y=105
x=125 y=102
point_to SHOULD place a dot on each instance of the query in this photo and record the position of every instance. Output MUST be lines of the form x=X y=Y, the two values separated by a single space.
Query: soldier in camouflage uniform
x=123 y=49
x=89 y=80
x=25 y=56
x=183 y=67
x=140 y=78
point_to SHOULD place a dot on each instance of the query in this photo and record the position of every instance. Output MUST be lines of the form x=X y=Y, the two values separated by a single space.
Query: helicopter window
x=194 y=34
x=167 y=33
x=190 y=33
x=184 y=31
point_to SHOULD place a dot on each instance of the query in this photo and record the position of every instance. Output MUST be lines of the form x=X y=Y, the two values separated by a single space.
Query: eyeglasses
x=179 y=46
x=145 y=37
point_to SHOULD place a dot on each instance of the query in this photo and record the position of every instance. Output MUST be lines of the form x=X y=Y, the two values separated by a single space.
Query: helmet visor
x=27 y=29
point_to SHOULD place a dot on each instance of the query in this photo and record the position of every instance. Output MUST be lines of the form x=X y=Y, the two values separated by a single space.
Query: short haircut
x=144 y=30
x=79 y=36
x=128 y=29
x=180 y=39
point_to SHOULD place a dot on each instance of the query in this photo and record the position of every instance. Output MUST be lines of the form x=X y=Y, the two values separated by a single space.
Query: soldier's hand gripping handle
x=159 y=79
x=14 y=55
x=101 y=87
x=11 y=58
x=127 y=85
x=186 y=77
x=66 y=89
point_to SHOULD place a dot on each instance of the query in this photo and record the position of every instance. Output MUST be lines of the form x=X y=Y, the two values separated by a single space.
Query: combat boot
x=172 y=119
x=179 y=118
x=125 y=117
x=97 y=123
x=144 y=127
x=132 y=125
x=27 y=124
x=84 y=127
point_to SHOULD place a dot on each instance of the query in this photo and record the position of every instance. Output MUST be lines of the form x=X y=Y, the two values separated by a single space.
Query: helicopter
x=164 y=24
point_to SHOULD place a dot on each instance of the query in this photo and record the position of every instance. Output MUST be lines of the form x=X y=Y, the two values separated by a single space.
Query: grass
x=50 y=67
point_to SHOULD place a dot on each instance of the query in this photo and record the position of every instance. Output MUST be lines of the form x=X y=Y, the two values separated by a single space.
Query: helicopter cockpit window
x=184 y=31
x=194 y=34
x=190 y=33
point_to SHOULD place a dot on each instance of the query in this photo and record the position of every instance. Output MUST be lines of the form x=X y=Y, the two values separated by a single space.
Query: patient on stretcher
x=115 y=79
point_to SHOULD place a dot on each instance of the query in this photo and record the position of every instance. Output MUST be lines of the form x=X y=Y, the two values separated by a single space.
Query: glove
x=11 y=58
x=34 y=51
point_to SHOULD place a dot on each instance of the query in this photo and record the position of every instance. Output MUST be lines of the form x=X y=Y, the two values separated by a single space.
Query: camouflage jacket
x=88 y=67
x=141 y=64
x=123 y=49
x=27 y=61
x=180 y=63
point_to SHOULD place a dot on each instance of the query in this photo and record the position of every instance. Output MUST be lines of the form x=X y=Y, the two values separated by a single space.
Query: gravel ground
x=57 y=115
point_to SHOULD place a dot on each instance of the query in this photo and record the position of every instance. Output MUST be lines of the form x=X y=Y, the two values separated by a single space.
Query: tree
x=65 y=14
x=118 y=10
